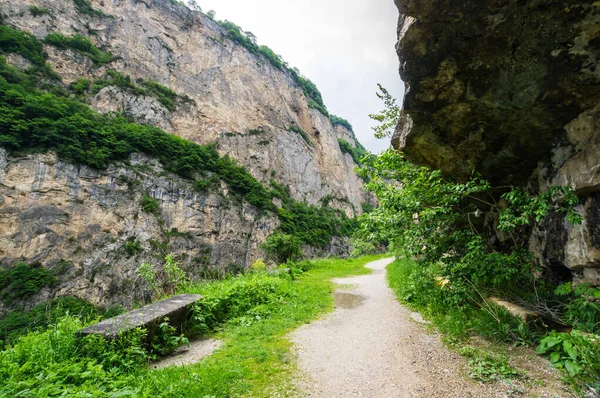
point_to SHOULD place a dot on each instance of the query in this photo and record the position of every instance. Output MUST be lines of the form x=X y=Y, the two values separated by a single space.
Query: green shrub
x=81 y=44
x=235 y=297
x=24 y=280
x=85 y=7
x=361 y=247
x=356 y=153
x=486 y=367
x=133 y=246
x=80 y=86
x=582 y=306
x=577 y=353
x=37 y=11
x=18 y=323
x=336 y=120
x=165 y=279
x=280 y=248
x=149 y=204
x=22 y=43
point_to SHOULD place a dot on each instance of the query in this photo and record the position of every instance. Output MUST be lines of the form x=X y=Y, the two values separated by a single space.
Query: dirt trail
x=372 y=347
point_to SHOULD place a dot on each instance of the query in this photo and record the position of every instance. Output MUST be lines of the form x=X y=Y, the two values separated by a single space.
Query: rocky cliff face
x=59 y=213
x=512 y=90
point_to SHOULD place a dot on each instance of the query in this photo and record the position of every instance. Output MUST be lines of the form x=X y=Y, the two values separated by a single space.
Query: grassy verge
x=252 y=314
x=417 y=288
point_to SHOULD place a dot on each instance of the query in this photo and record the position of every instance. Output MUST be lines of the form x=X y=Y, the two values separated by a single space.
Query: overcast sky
x=345 y=47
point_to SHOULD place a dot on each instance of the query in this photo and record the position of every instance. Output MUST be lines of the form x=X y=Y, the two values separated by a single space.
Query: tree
x=388 y=117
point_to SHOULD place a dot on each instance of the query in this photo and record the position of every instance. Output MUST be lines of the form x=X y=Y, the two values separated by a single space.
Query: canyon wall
x=88 y=226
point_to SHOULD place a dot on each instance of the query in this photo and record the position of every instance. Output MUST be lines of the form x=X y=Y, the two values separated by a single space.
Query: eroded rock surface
x=90 y=223
x=510 y=89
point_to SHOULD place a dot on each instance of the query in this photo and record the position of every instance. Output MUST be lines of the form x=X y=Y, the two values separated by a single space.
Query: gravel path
x=370 y=346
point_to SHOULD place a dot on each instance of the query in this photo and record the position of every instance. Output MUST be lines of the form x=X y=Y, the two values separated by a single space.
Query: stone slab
x=173 y=308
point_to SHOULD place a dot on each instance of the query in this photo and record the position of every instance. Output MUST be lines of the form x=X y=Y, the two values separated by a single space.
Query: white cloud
x=345 y=47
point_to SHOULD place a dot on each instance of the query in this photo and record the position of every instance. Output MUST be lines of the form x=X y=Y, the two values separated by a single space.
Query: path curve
x=370 y=347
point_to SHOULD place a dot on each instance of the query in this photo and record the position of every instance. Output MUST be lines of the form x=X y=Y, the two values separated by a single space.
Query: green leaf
x=555 y=357
x=572 y=368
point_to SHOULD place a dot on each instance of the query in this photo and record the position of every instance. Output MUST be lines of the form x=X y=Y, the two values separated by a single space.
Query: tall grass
x=251 y=314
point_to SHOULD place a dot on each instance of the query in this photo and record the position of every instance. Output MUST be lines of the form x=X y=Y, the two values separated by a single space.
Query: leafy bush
x=22 y=43
x=149 y=204
x=150 y=88
x=81 y=44
x=80 y=86
x=575 y=352
x=280 y=248
x=85 y=7
x=313 y=225
x=235 y=297
x=37 y=11
x=336 y=120
x=164 y=280
x=133 y=246
x=24 y=280
x=18 y=323
x=582 y=309
x=486 y=367
x=356 y=153
x=362 y=247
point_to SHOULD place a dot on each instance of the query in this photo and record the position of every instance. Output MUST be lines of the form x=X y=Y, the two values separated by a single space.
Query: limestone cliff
x=510 y=89
x=59 y=213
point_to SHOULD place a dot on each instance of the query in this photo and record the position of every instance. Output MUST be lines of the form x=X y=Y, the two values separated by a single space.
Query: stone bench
x=150 y=316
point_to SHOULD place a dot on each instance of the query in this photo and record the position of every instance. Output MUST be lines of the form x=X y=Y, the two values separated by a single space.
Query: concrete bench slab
x=175 y=308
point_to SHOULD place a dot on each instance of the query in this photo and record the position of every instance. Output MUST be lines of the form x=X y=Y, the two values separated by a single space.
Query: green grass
x=252 y=314
x=418 y=288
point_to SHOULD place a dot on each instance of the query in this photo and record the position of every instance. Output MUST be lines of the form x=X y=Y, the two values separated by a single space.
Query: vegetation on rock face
x=151 y=88
x=248 y=40
x=81 y=44
x=281 y=248
x=37 y=120
x=356 y=153
x=85 y=7
x=24 y=280
x=314 y=226
x=303 y=134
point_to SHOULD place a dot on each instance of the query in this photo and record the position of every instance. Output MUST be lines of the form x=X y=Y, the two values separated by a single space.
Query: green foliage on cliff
x=24 y=280
x=39 y=11
x=313 y=225
x=37 y=116
x=80 y=44
x=336 y=120
x=356 y=153
x=303 y=134
x=22 y=43
x=85 y=7
x=150 y=88
x=33 y=120
x=248 y=40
